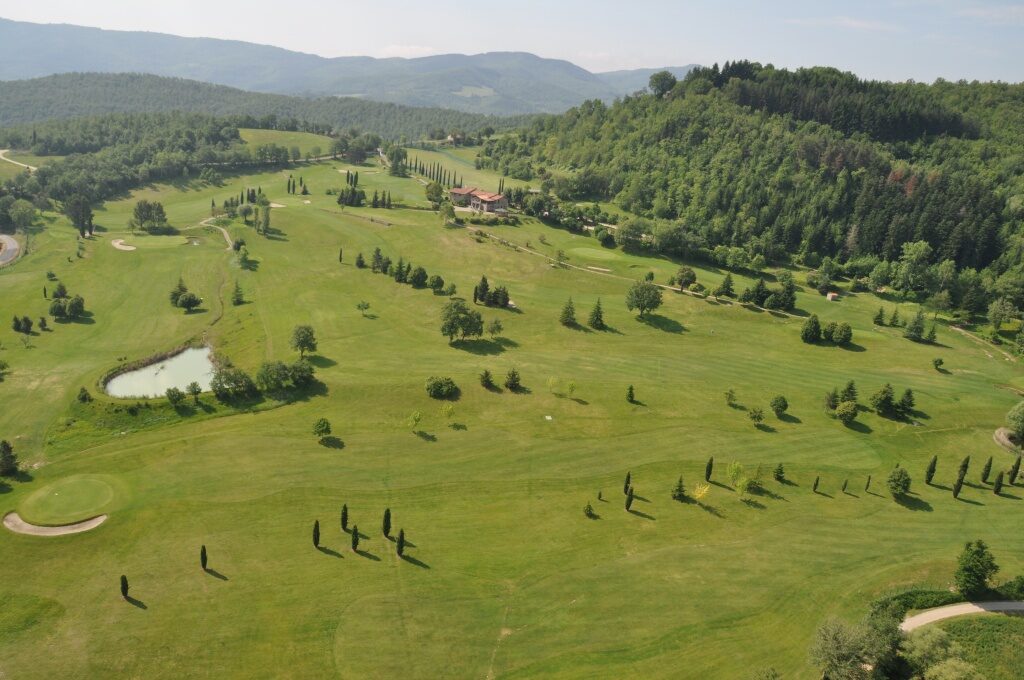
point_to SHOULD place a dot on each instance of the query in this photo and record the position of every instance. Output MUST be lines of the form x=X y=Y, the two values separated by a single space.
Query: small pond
x=192 y=365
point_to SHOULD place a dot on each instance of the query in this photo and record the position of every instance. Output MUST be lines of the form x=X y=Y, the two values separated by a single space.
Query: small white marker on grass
x=547 y=418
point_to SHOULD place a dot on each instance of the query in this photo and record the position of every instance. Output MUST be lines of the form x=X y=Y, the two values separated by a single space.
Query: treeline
x=884 y=111
x=705 y=173
x=77 y=95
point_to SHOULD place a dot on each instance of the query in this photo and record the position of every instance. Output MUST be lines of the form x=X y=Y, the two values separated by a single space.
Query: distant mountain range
x=494 y=83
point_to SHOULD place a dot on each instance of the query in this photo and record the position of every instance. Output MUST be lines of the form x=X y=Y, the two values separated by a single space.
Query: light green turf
x=994 y=644
x=304 y=140
x=511 y=579
x=460 y=162
x=69 y=499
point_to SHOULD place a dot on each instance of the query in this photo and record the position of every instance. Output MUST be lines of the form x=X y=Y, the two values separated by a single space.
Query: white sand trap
x=19 y=526
x=307 y=202
x=121 y=245
x=277 y=205
x=598 y=269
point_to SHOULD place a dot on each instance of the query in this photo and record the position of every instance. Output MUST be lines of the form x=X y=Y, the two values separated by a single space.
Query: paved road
x=3 y=157
x=948 y=612
x=9 y=250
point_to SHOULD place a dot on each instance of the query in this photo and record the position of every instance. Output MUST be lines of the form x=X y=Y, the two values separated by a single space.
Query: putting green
x=594 y=253
x=68 y=500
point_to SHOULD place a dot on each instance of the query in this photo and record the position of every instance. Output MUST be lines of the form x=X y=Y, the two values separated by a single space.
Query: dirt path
x=3 y=157
x=949 y=611
x=9 y=250
x=19 y=526
x=609 y=274
x=988 y=345
x=208 y=222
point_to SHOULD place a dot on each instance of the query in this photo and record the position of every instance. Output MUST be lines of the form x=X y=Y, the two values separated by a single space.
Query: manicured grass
x=304 y=140
x=460 y=162
x=994 y=644
x=509 y=577
x=69 y=499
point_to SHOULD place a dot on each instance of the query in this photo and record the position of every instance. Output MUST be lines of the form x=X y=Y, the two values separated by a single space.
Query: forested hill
x=809 y=164
x=75 y=95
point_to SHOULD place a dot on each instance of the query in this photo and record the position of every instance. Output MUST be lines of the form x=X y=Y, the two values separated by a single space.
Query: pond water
x=192 y=365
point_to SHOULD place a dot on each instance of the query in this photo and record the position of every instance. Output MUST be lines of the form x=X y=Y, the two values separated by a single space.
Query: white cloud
x=407 y=51
x=997 y=14
x=845 y=22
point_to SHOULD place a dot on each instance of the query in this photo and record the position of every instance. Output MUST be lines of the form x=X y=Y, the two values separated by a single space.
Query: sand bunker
x=19 y=526
x=277 y=205
x=121 y=245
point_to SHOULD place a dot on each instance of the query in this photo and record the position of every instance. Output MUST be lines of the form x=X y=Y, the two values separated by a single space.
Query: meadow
x=506 y=577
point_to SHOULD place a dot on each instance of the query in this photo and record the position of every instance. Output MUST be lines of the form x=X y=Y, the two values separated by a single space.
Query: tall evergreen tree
x=386 y=524
x=568 y=315
x=997 y=486
x=124 y=587
x=1015 y=470
x=316 y=533
x=629 y=498
x=355 y=538
x=8 y=459
x=986 y=470
x=400 y=544
x=626 y=484
x=202 y=557
x=709 y=468
x=929 y=473
x=596 y=320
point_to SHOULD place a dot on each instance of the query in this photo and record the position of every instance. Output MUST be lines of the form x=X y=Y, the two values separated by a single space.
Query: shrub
x=898 y=482
x=846 y=412
x=441 y=388
x=811 y=331
x=512 y=380
x=175 y=396
x=779 y=406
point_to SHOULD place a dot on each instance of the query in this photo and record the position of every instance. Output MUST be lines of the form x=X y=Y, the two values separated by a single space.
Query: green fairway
x=68 y=500
x=306 y=141
x=506 y=577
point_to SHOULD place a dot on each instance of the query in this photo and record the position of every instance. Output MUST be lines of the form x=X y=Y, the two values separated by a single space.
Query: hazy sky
x=895 y=40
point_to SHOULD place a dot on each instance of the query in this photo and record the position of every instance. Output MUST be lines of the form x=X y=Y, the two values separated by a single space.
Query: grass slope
x=304 y=140
x=993 y=644
x=507 y=578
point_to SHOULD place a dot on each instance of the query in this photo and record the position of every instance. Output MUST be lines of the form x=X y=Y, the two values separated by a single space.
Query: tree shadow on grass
x=969 y=501
x=480 y=346
x=332 y=442
x=822 y=493
x=415 y=562
x=857 y=426
x=639 y=513
x=943 y=487
x=1010 y=496
x=767 y=493
x=216 y=574
x=321 y=361
x=135 y=602
x=663 y=323
x=912 y=501
x=752 y=503
x=788 y=482
x=368 y=555
x=852 y=347
x=327 y=551
x=638 y=497
x=715 y=482
x=787 y=418
x=425 y=436
x=851 y=494
x=765 y=427
x=710 y=509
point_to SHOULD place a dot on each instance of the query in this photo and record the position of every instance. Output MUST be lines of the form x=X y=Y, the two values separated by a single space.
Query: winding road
x=3 y=157
x=949 y=611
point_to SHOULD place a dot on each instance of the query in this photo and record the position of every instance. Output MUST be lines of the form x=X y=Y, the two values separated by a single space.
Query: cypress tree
x=344 y=517
x=997 y=487
x=625 y=485
x=868 y=485
x=845 y=482
x=679 y=492
x=355 y=538
x=929 y=473
x=202 y=557
x=316 y=533
x=629 y=498
x=1014 y=471
x=959 y=484
x=709 y=468
x=986 y=470
x=815 y=487
x=386 y=525
x=124 y=586
x=962 y=472
x=400 y=544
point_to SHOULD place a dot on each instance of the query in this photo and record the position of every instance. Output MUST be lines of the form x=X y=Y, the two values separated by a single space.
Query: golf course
x=503 y=575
